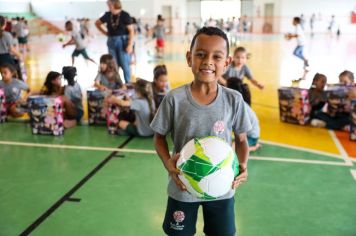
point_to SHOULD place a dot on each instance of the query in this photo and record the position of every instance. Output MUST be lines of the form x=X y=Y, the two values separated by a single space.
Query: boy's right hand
x=174 y=172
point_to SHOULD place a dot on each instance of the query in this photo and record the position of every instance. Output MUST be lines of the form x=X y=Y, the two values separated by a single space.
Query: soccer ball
x=208 y=166
x=61 y=37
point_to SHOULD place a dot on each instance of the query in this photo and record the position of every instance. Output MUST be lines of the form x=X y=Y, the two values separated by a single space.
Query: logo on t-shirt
x=219 y=127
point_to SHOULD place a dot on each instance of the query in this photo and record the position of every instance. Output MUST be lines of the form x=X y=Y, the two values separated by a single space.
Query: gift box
x=338 y=101
x=294 y=105
x=3 y=113
x=96 y=113
x=116 y=113
x=46 y=115
x=353 y=121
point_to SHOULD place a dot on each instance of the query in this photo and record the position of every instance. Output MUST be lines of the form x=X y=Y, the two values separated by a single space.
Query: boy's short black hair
x=211 y=31
x=69 y=72
x=297 y=20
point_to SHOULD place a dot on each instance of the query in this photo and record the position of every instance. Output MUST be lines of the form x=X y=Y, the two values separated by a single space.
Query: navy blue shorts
x=77 y=52
x=181 y=217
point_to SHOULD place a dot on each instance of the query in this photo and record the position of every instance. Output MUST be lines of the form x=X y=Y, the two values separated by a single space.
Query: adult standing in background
x=120 y=32
x=6 y=45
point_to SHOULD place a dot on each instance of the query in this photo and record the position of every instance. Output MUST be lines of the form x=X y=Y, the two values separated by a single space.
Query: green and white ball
x=209 y=166
x=61 y=37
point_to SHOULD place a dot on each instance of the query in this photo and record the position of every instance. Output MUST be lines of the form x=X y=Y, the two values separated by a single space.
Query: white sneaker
x=318 y=123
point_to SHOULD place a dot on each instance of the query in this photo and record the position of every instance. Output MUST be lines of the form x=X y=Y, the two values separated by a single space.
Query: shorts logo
x=219 y=127
x=178 y=217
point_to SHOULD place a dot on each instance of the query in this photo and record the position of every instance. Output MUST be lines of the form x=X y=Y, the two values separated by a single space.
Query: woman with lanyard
x=6 y=45
x=120 y=32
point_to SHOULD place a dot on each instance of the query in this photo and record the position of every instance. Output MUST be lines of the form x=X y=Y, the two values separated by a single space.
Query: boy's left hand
x=241 y=178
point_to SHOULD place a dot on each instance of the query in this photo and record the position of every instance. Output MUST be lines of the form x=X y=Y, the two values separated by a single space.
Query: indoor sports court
x=301 y=181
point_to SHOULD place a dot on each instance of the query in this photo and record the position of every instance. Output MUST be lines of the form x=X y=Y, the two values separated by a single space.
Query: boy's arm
x=257 y=84
x=70 y=42
x=169 y=162
x=241 y=148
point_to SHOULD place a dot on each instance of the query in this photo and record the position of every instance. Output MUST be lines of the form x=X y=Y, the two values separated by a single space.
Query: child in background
x=160 y=84
x=159 y=31
x=299 y=35
x=53 y=87
x=347 y=78
x=198 y=109
x=73 y=90
x=326 y=116
x=239 y=69
x=142 y=105
x=13 y=88
x=78 y=41
x=253 y=134
x=108 y=77
x=317 y=97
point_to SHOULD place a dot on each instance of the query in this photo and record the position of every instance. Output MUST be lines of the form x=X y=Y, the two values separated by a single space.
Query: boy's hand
x=174 y=172
x=260 y=86
x=241 y=178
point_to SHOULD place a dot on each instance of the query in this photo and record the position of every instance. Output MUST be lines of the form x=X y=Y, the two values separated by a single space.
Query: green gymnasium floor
x=81 y=184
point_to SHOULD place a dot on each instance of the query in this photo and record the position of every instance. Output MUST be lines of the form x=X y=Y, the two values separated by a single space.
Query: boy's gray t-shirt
x=13 y=89
x=79 y=42
x=142 y=111
x=233 y=72
x=159 y=31
x=74 y=93
x=5 y=42
x=182 y=117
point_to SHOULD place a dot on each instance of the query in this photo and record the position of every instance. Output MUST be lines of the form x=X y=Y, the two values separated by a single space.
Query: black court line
x=66 y=196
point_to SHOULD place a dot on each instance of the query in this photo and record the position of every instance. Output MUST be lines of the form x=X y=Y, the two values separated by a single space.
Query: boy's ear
x=227 y=62
x=188 y=57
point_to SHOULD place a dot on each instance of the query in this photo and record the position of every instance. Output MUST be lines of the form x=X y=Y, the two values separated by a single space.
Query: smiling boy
x=202 y=108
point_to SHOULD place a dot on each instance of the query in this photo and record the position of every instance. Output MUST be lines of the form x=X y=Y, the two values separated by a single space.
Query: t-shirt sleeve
x=126 y=18
x=9 y=40
x=105 y=18
x=22 y=85
x=135 y=105
x=162 y=122
x=248 y=72
x=241 y=123
x=98 y=78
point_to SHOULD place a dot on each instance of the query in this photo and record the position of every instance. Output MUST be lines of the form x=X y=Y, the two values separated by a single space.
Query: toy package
x=337 y=100
x=46 y=115
x=353 y=121
x=96 y=114
x=116 y=113
x=294 y=105
x=3 y=112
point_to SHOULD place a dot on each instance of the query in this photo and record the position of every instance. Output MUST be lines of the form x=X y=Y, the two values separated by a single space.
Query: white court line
x=340 y=147
x=308 y=150
x=353 y=173
x=87 y=148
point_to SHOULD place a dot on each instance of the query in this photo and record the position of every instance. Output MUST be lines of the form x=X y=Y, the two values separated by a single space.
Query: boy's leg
x=180 y=218
x=219 y=217
x=86 y=56
x=298 y=52
x=75 y=54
